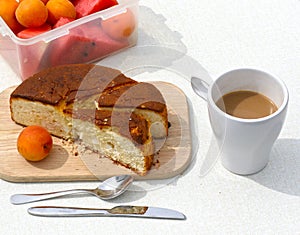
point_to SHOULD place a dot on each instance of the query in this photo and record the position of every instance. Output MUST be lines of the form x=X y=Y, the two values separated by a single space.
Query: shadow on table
x=159 y=48
x=283 y=171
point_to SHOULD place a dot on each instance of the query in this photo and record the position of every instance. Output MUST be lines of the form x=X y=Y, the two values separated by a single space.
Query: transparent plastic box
x=80 y=41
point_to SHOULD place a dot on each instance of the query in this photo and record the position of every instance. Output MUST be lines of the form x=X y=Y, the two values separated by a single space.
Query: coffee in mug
x=245 y=143
x=246 y=104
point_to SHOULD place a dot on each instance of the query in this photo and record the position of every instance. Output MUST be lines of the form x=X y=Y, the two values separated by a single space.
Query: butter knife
x=118 y=211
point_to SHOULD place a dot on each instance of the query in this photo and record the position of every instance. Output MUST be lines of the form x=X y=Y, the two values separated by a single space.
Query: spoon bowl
x=108 y=189
x=200 y=87
x=113 y=187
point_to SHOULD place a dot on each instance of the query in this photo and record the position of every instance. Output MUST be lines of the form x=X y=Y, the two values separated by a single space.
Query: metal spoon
x=200 y=87
x=108 y=189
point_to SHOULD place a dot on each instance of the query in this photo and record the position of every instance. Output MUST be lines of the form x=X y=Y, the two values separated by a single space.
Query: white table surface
x=220 y=36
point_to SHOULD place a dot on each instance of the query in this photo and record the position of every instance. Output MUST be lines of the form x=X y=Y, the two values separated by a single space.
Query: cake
x=98 y=106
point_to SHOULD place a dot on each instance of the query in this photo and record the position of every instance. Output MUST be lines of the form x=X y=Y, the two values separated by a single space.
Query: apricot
x=120 y=27
x=7 y=12
x=44 y=1
x=31 y=13
x=58 y=9
x=34 y=143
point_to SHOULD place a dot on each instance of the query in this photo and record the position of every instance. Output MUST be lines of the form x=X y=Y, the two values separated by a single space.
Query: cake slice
x=99 y=106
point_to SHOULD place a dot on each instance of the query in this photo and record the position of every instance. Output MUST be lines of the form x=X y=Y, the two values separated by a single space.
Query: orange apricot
x=31 y=13
x=34 y=143
x=44 y=1
x=58 y=9
x=121 y=26
x=7 y=12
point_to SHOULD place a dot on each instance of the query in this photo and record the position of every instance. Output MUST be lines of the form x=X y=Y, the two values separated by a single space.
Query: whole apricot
x=120 y=27
x=34 y=143
x=7 y=12
x=58 y=9
x=44 y=1
x=31 y=13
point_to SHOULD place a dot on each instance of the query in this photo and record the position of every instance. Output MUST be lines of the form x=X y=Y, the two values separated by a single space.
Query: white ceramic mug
x=245 y=144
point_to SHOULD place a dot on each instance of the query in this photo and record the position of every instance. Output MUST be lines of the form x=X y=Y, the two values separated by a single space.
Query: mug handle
x=200 y=87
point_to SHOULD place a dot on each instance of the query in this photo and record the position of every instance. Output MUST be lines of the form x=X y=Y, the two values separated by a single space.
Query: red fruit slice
x=62 y=21
x=84 y=44
x=87 y=7
x=31 y=32
x=30 y=57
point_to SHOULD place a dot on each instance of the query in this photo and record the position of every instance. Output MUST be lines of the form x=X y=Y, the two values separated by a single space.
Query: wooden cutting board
x=63 y=163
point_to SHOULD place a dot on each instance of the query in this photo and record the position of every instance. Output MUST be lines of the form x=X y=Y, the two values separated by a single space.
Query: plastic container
x=81 y=41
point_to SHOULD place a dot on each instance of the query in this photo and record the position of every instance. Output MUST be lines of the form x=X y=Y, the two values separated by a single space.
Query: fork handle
x=26 y=198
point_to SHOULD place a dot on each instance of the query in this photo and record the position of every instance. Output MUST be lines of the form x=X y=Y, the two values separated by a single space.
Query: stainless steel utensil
x=108 y=189
x=200 y=87
x=118 y=211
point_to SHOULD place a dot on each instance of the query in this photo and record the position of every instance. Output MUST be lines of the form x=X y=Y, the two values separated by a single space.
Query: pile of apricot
x=26 y=18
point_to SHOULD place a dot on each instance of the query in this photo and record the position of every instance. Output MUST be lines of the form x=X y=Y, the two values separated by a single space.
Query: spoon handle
x=26 y=198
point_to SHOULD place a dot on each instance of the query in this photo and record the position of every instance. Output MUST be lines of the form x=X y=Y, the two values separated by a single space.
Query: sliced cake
x=99 y=106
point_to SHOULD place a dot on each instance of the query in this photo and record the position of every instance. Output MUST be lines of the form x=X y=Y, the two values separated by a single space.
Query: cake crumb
x=156 y=164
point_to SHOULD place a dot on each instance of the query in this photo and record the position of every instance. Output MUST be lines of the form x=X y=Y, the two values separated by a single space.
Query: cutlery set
x=108 y=189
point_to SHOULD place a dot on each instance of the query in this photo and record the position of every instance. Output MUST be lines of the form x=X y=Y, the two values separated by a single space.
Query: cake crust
x=88 y=80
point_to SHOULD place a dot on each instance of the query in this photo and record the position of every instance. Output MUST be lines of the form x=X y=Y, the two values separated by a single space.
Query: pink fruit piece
x=83 y=44
x=62 y=21
x=87 y=7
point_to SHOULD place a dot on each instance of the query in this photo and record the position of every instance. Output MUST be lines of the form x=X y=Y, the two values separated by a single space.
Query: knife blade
x=118 y=211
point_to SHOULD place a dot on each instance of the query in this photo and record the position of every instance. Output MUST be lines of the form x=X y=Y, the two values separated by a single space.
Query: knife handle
x=53 y=211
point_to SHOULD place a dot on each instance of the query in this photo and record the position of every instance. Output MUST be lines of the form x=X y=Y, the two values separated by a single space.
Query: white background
x=221 y=36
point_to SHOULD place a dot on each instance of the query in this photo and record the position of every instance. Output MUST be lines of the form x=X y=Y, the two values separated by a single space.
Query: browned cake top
x=81 y=81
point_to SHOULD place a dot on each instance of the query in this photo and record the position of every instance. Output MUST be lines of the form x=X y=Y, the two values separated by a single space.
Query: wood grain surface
x=64 y=164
